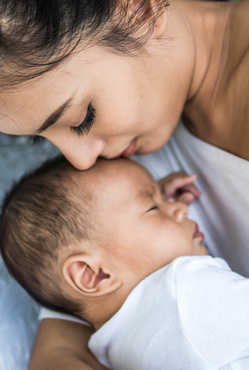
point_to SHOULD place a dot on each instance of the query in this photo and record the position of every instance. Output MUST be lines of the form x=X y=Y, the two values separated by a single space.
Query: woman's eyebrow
x=53 y=118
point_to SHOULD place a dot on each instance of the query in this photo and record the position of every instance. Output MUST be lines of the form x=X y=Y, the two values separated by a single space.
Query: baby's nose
x=178 y=210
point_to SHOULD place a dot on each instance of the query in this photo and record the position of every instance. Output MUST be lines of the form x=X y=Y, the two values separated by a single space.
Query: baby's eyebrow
x=147 y=191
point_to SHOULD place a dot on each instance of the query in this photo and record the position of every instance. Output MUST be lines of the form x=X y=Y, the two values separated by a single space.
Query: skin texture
x=140 y=232
x=199 y=65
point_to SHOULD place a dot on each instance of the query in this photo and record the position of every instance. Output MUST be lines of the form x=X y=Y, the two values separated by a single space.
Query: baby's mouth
x=197 y=233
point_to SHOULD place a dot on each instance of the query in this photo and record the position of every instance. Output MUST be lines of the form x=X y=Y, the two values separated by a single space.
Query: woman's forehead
x=28 y=106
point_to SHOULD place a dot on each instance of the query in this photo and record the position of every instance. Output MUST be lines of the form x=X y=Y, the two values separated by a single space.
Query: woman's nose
x=81 y=153
x=177 y=210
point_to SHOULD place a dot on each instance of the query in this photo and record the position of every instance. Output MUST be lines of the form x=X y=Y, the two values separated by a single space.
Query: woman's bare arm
x=62 y=345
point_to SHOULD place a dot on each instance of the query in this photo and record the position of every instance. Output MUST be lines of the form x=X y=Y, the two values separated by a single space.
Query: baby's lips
x=197 y=232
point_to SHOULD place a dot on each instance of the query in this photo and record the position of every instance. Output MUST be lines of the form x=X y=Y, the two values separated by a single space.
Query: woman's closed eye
x=33 y=140
x=87 y=123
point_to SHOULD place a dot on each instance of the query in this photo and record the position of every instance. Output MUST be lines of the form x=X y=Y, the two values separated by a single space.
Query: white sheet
x=18 y=312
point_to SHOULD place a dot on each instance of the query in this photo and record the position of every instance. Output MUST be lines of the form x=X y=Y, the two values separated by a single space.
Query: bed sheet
x=18 y=312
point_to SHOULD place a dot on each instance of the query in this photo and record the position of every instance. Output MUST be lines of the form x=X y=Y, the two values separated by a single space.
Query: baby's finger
x=186 y=198
x=178 y=183
x=190 y=189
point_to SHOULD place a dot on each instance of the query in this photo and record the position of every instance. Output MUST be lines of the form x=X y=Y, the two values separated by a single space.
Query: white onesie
x=190 y=315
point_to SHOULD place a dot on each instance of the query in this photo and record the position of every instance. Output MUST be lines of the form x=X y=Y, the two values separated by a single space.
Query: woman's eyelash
x=33 y=140
x=86 y=125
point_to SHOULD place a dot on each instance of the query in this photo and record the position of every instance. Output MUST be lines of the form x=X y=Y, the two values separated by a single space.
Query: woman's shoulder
x=236 y=79
x=239 y=28
x=241 y=8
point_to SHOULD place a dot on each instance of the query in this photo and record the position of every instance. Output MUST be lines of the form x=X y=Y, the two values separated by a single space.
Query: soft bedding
x=18 y=312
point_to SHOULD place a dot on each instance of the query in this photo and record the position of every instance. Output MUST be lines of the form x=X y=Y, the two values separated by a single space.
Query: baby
x=113 y=247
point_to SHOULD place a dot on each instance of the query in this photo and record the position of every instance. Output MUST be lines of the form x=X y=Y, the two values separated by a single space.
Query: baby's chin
x=203 y=250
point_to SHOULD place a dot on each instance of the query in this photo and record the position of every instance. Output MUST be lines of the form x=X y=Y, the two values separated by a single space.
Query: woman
x=111 y=78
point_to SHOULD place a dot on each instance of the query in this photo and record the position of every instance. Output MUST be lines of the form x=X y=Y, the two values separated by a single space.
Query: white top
x=223 y=209
x=192 y=314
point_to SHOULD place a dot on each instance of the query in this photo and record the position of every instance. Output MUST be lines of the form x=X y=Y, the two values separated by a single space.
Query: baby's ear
x=86 y=275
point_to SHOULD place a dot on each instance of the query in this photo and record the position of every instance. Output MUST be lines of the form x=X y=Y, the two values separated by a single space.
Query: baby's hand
x=179 y=187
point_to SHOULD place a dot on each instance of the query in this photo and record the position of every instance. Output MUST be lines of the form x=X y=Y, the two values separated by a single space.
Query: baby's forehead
x=128 y=176
x=123 y=170
x=116 y=175
x=114 y=188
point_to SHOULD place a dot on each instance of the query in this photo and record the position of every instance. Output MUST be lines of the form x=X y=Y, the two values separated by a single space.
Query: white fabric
x=18 y=312
x=45 y=313
x=223 y=209
x=192 y=314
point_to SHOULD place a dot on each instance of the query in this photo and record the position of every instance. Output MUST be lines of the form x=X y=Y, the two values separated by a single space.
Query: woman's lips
x=130 y=150
x=197 y=233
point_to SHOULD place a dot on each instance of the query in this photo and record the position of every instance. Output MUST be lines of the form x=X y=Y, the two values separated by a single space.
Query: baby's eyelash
x=87 y=123
x=152 y=208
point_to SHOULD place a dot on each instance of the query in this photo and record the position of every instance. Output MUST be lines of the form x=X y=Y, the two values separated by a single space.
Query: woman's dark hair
x=36 y=35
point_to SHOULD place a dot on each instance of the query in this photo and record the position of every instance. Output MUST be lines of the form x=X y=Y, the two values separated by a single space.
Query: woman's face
x=98 y=103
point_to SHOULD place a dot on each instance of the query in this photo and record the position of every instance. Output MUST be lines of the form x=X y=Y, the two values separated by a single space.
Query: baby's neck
x=101 y=309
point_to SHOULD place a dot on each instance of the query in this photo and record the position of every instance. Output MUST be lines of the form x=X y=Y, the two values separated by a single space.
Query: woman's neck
x=215 y=103
x=209 y=22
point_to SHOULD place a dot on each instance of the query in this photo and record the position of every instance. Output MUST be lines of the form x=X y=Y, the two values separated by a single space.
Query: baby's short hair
x=45 y=212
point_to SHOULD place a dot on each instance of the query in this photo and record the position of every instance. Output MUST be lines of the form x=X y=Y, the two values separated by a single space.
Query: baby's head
x=73 y=239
